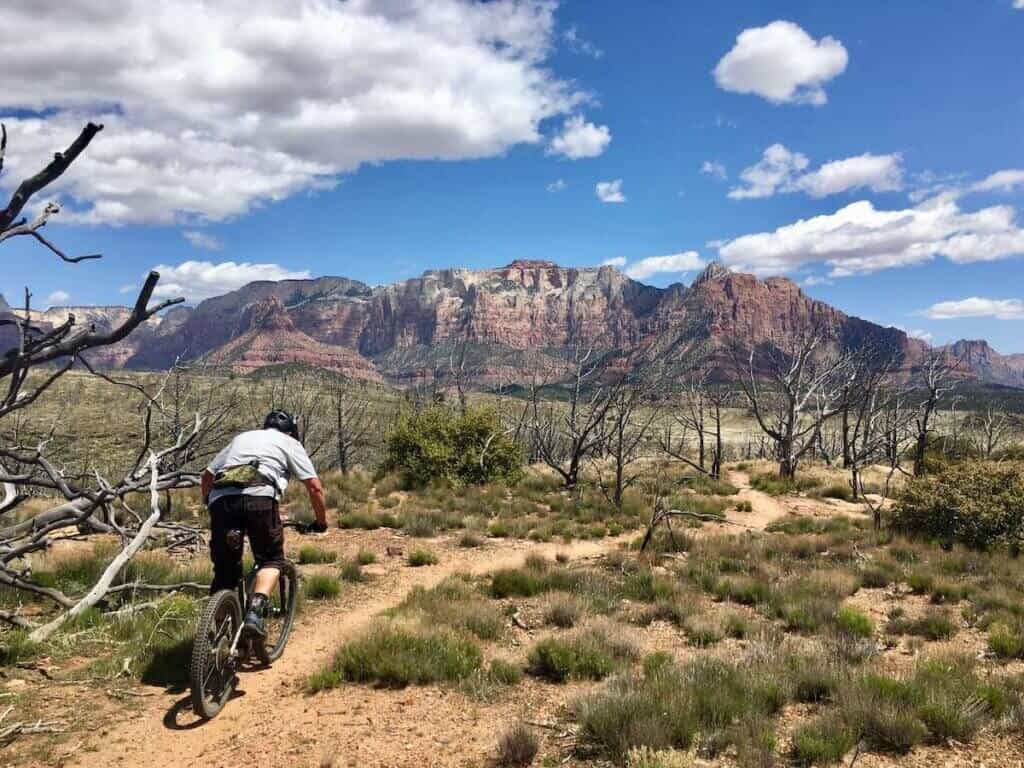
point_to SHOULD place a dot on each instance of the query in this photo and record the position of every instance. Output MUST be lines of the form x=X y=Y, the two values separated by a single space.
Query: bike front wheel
x=280 y=614
x=212 y=669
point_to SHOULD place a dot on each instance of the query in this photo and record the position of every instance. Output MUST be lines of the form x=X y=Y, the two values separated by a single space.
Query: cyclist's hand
x=318 y=527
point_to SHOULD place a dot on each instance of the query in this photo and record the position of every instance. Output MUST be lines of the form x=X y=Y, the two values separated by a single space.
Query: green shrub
x=321 y=586
x=835 y=491
x=397 y=656
x=352 y=571
x=16 y=647
x=469 y=540
x=505 y=673
x=310 y=555
x=588 y=655
x=1006 y=641
x=437 y=443
x=822 y=741
x=454 y=603
x=979 y=504
x=366 y=557
x=420 y=557
x=933 y=625
x=851 y=622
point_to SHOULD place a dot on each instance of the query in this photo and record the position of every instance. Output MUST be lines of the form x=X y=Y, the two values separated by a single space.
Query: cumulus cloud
x=860 y=239
x=610 y=191
x=917 y=333
x=214 y=107
x=558 y=185
x=580 y=139
x=615 y=261
x=879 y=173
x=202 y=240
x=653 y=265
x=57 y=298
x=781 y=170
x=775 y=170
x=1018 y=4
x=711 y=168
x=975 y=306
x=1003 y=181
x=198 y=280
x=780 y=62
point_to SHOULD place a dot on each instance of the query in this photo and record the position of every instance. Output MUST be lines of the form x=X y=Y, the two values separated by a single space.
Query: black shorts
x=258 y=517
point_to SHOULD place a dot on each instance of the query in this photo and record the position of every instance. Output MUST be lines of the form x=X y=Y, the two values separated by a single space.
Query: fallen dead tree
x=176 y=426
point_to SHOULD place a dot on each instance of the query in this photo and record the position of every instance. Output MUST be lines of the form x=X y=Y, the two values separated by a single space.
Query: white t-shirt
x=279 y=455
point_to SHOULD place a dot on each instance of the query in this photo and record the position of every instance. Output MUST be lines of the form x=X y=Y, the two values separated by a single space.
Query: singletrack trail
x=766 y=509
x=272 y=722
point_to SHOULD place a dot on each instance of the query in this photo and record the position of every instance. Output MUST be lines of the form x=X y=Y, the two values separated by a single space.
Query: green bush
x=420 y=557
x=853 y=623
x=320 y=586
x=979 y=504
x=588 y=655
x=822 y=741
x=310 y=555
x=437 y=443
x=396 y=656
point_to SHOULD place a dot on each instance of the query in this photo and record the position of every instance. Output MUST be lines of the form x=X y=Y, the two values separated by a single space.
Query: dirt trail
x=766 y=509
x=272 y=722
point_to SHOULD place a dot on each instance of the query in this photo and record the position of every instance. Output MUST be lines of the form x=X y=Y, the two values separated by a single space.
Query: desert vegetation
x=797 y=553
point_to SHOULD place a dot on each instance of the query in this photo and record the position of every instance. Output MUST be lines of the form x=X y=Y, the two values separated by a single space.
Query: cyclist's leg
x=266 y=537
x=225 y=555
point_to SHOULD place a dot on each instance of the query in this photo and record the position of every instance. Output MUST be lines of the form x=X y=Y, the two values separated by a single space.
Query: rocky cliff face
x=405 y=332
x=977 y=357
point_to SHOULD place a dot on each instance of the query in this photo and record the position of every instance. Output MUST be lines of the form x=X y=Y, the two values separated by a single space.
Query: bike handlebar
x=301 y=527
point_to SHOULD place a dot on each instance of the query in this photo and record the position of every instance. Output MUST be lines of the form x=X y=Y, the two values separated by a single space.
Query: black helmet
x=282 y=421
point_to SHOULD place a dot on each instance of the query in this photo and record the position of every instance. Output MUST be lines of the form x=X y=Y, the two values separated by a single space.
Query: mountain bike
x=219 y=650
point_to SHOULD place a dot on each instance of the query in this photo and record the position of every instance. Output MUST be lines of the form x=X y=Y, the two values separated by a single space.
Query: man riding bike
x=241 y=488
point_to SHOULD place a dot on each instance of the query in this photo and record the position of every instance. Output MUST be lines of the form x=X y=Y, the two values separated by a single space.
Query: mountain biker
x=241 y=488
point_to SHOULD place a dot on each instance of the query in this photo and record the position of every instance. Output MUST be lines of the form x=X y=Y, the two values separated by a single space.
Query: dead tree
x=564 y=435
x=935 y=379
x=353 y=421
x=82 y=503
x=699 y=412
x=793 y=388
x=991 y=427
x=633 y=410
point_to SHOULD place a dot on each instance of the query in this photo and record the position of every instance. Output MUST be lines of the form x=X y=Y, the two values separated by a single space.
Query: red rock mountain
x=406 y=331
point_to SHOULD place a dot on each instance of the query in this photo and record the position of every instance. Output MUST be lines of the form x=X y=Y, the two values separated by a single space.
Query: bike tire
x=215 y=631
x=280 y=614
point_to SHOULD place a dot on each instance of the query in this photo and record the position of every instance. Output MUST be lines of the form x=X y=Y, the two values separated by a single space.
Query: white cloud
x=198 y=280
x=214 y=107
x=653 y=265
x=1018 y=4
x=580 y=139
x=202 y=240
x=558 y=185
x=917 y=333
x=1004 y=181
x=57 y=298
x=715 y=169
x=781 y=63
x=780 y=170
x=859 y=239
x=578 y=44
x=615 y=261
x=812 y=280
x=610 y=191
x=1001 y=309
x=879 y=173
x=774 y=170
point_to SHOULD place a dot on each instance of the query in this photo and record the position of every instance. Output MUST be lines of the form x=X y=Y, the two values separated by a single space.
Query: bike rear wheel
x=212 y=669
x=280 y=614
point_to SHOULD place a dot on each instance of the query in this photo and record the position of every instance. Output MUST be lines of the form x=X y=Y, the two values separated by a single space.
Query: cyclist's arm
x=206 y=485
x=316 y=497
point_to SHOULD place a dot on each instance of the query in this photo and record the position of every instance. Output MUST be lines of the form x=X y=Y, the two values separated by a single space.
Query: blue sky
x=379 y=139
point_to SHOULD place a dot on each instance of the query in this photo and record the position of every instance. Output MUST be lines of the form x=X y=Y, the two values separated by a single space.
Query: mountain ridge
x=509 y=316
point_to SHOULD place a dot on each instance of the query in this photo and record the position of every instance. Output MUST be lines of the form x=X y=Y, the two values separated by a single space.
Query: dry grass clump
x=517 y=747
x=395 y=655
x=934 y=624
x=419 y=557
x=320 y=586
x=311 y=555
x=591 y=653
x=564 y=611
x=454 y=603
